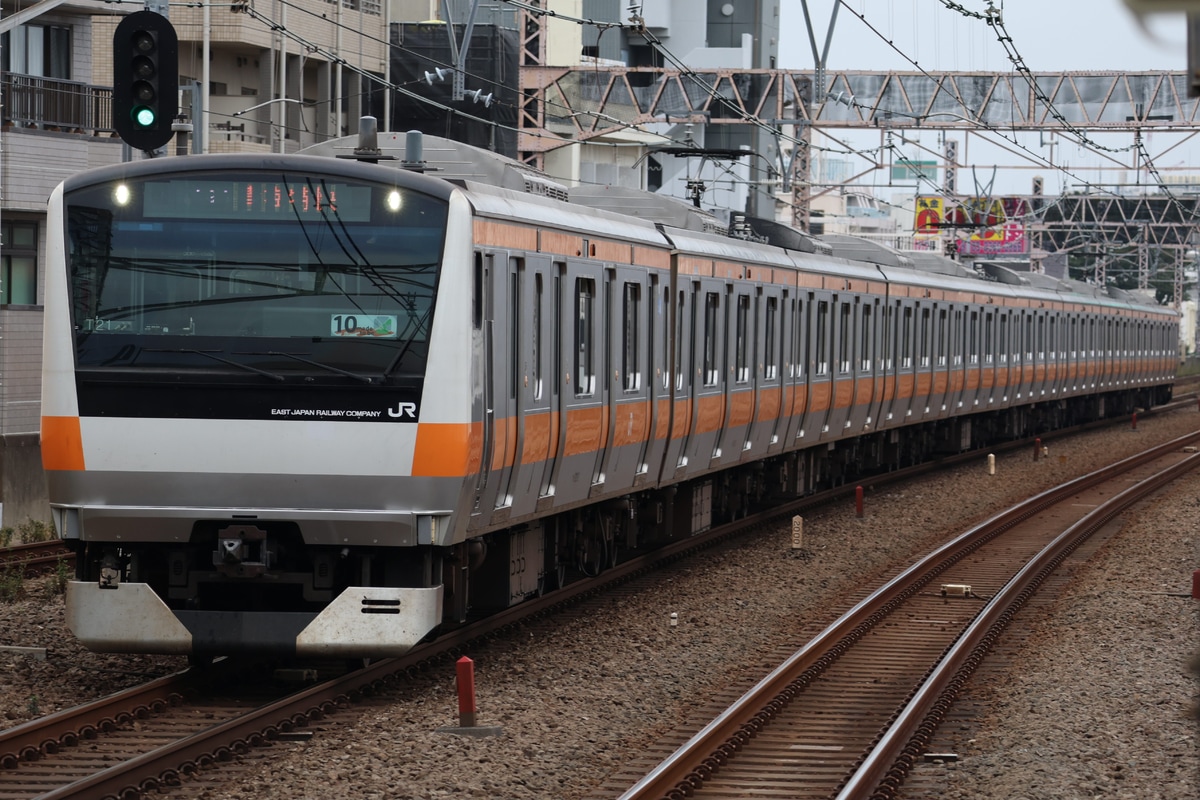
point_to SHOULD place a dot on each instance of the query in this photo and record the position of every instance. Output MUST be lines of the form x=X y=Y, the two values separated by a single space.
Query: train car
x=321 y=404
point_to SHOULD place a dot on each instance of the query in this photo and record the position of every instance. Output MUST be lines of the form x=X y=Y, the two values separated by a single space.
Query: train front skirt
x=363 y=621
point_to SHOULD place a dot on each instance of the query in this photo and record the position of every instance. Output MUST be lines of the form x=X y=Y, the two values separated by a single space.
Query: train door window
x=959 y=333
x=679 y=333
x=891 y=321
x=822 y=353
x=1003 y=339
x=865 y=340
x=516 y=266
x=631 y=367
x=973 y=337
x=771 y=355
x=845 y=329
x=742 y=339
x=1052 y=340
x=1030 y=345
x=906 y=334
x=712 y=309
x=538 y=299
x=666 y=336
x=799 y=338
x=943 y=337
x=585 y=371
x=477 y=300
x=923 y=337
x=989 y=340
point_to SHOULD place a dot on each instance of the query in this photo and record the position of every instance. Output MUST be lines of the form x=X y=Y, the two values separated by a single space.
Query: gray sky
x=1049 y=35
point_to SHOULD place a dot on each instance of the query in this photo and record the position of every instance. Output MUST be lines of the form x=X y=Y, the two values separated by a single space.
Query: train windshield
x=254 y=272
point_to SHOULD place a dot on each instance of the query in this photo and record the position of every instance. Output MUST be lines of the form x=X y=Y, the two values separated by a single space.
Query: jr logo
x=403 y=410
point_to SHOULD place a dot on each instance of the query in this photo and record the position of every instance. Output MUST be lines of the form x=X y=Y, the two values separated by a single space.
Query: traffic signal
x=145 y=80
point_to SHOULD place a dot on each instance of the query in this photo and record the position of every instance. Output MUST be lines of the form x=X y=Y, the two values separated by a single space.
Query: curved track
x=849 y=713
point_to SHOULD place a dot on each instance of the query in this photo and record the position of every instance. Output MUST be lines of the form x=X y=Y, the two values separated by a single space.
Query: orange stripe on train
x=62 y=444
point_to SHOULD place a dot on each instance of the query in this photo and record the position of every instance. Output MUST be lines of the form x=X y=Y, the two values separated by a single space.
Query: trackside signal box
x=145 y=80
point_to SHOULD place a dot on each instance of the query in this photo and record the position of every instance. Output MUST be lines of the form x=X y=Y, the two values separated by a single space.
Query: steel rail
x=882 y=772
x=690 y=764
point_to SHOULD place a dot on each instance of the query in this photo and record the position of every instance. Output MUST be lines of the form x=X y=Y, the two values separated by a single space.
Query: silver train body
x=318 y=406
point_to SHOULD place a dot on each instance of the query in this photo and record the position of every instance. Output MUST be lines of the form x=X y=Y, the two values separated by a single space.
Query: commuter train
x=320 y=404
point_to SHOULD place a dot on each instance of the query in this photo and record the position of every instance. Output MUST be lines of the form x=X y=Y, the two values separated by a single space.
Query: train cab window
x=712 y=309
x=844 y=333
x=822 y=353
x=742 y=340
x=631 y=367
x=771 y=353
x=585 y=373
x=866 y=340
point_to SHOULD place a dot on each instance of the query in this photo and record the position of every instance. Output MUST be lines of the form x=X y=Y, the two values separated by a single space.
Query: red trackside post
x=465 y=675
x=858 y=501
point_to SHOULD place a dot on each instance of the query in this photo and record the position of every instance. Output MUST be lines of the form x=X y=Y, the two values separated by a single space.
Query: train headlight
x=121 y=194
x=394 y=201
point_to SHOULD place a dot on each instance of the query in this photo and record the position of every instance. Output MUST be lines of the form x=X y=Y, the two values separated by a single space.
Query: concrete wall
x=22 y=482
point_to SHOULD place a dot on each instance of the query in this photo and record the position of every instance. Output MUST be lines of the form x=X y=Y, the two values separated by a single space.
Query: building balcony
x=37 y=103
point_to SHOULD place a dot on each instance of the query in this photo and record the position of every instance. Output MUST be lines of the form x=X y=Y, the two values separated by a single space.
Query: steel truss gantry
x=565 y=105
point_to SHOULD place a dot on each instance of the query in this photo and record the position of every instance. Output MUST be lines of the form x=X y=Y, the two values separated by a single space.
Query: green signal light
x=143 y=117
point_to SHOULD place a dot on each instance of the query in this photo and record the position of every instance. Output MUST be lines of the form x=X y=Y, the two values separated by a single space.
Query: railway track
x=35 y=558
x=850 y=713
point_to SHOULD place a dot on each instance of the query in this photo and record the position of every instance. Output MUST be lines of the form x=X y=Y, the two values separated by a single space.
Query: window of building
x=41 y=50
x=18 y=263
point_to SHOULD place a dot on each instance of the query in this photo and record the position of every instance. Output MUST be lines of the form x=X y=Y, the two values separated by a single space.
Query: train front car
x=238 y=354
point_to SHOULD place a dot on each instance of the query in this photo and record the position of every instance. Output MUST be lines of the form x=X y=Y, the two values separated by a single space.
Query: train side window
x=771 y=356
x=631 y=366
x=585 y=300
x=742 y=340
x=712 y=308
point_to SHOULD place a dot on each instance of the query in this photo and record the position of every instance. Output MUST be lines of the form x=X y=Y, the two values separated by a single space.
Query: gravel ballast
x=1100 y=705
